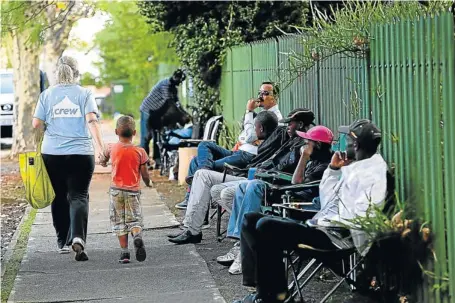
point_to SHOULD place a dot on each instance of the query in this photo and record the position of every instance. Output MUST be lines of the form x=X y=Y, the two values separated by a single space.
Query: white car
x=6 y=106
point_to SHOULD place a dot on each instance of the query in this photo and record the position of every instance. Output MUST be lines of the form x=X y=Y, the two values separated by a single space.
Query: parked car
x=6 y=106
x=7 y=103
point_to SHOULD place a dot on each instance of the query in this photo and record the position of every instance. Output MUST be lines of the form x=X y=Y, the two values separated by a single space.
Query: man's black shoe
x=175 y=235
x=186 y=237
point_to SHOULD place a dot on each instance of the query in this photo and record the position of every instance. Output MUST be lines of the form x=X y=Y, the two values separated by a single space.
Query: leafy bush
x=204 y=30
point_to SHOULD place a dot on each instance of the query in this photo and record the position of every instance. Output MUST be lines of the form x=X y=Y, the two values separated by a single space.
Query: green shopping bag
x=38 y=187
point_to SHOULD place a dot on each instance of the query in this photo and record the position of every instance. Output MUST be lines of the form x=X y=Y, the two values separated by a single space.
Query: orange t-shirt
x=126 y=165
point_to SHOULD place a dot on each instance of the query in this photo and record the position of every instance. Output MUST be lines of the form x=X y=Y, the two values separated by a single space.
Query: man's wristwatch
x=248 y=111
x=334 y=168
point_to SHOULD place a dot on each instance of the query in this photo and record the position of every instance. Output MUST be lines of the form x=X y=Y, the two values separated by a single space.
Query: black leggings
x=70 y=176
x=263 y=240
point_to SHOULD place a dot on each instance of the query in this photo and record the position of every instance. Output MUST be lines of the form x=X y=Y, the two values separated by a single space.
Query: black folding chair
x=343 y=261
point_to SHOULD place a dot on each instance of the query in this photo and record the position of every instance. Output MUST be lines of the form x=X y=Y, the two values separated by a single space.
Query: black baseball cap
x=363 y=130
x=304 y=115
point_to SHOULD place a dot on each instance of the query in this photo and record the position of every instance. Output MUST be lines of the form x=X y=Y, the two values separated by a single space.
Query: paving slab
x=69 y=285
x=171 y=273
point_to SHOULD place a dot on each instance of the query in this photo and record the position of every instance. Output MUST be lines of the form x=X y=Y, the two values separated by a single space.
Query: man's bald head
x=126 y=126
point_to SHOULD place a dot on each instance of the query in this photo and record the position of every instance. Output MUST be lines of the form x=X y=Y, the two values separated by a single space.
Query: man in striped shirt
x=164 y=91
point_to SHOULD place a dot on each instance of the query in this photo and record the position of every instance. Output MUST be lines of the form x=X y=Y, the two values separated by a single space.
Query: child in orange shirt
x=128 y=165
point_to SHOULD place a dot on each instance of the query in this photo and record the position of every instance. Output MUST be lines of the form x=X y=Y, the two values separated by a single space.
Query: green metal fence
x=334 y=89
x=413 y=77
x=406 y=85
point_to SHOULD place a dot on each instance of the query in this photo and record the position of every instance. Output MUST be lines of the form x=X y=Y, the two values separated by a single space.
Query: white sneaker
x=205 y=226
x=64 y=250
x=228 y=258
x=236 y=267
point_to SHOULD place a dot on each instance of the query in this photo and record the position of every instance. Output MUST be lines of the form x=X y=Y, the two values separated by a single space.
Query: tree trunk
x=25 y=62
x=50 y=57
x=57 y=36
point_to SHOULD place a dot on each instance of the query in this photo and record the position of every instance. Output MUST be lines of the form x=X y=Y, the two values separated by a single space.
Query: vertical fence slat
x=448 y=75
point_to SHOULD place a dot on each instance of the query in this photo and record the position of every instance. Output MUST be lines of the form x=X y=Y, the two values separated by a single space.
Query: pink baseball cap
x=318 y=133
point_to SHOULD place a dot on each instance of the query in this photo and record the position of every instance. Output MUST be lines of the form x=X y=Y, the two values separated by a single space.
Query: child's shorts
x=125 y=210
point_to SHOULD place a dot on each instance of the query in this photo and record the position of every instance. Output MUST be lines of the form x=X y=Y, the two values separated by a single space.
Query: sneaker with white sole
x=236 y=267
x=229 y=258
x=78 y=247
x=124 y=257
x=64 y=250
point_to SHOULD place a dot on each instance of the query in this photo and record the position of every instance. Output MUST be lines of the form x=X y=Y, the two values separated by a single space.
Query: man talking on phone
x=348 y=189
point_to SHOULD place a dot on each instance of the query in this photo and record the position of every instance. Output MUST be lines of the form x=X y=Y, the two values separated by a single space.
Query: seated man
x=345 y=191
x=314 y=159
x=211 y=156
x=198 y=204
x=283 y=158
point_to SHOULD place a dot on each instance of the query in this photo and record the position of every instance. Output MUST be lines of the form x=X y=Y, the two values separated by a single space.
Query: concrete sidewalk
x=170 y=274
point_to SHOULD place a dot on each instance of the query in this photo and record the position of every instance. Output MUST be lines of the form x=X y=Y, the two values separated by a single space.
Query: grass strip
x=14 y=263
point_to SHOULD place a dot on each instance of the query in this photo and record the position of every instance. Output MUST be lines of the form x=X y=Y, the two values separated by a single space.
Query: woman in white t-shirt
x=69 y=115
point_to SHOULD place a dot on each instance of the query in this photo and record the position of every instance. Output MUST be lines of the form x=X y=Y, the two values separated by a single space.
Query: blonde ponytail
x=67 y=70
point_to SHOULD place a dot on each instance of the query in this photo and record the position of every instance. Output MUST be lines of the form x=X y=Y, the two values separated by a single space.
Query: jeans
x=263 y=241
x=211 y=156
x=145 y=138
x=70 y=176
x=248 y=198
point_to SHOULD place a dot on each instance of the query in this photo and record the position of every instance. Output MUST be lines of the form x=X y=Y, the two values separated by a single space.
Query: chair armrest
x=172 y=134
x=295 y=187
x=273 y=175
x=294 y=213
x=195 y=141
x=231 y=168
x=288 y=207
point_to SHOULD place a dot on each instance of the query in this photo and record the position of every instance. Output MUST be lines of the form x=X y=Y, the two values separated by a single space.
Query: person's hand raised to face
x=339 y=159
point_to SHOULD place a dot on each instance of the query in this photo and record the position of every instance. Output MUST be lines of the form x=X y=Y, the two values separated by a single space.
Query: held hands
x=103 y=157
x=252 y=104
x=339 y=159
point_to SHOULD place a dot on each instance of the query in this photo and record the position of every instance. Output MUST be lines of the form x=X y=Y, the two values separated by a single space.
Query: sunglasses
x=264 y=93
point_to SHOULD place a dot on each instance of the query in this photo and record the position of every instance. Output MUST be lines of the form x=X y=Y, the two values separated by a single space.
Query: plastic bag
x=38 y=187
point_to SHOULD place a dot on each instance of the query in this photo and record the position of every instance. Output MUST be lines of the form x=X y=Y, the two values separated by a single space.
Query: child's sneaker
x=140 y=249
x=124 y=257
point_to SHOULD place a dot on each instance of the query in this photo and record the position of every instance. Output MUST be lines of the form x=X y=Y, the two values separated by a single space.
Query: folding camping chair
x=342 y=262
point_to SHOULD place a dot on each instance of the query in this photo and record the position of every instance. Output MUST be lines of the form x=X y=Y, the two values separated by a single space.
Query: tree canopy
x=203 y=30
x=132 y=51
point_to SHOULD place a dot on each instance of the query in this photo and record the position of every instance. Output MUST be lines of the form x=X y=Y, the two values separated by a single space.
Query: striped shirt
x=160 y=93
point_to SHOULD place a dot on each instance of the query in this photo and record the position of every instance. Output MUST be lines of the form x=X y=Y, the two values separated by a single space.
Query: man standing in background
x=164 y=91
